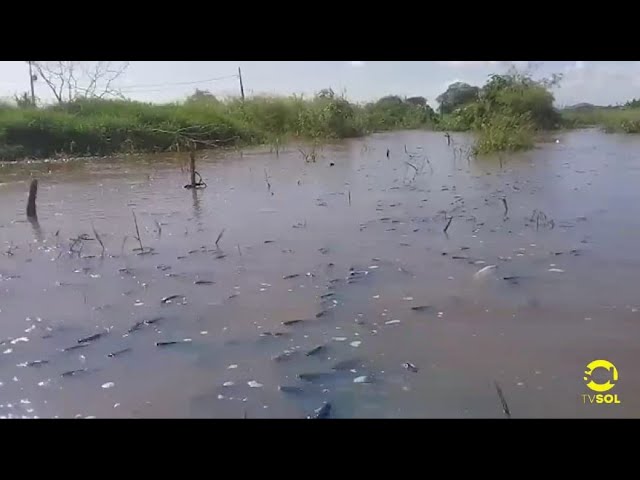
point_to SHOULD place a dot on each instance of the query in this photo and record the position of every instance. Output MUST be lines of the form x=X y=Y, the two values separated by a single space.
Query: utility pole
x=33 y=95
x=241 y=85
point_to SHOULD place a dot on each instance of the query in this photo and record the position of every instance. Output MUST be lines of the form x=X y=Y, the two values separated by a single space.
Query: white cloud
x=356 y=64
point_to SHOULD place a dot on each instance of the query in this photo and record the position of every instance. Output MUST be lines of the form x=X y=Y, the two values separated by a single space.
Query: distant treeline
x=505 y=114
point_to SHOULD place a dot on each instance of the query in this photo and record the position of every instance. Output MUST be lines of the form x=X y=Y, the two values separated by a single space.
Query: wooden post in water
x=192 y=156
x=31 y=202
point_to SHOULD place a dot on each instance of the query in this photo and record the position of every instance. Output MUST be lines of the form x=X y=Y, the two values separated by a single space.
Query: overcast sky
x=593 y=82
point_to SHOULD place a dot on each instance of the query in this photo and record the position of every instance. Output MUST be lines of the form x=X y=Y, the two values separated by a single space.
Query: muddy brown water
x=365 y=239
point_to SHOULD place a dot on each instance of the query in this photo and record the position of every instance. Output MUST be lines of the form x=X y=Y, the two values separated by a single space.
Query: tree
x=202 y=96
x=69 y=81
x=390 y=100
x=24 y=100
x=457 y=95
x=326 y=93
x=418 y=101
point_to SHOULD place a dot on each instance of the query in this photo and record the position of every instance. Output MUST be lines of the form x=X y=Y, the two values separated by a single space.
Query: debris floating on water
x=557 y=270
x=356 y=343
x=108 y=385
x=392 y=322
x=254 y=384
x=323 y=412
x=362 y=379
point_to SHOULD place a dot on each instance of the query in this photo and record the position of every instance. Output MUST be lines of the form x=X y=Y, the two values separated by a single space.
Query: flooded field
x=332 y=283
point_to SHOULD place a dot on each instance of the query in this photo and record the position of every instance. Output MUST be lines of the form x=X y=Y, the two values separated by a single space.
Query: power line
x=134 y=88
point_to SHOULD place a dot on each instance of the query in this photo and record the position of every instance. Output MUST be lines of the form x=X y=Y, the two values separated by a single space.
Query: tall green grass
x=105 y=127
x=610 y=119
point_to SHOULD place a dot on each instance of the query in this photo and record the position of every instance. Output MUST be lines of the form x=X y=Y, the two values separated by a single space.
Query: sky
x=601 y=83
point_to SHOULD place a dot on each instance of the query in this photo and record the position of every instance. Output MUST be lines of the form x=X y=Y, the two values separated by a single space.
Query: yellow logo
x=601 y=387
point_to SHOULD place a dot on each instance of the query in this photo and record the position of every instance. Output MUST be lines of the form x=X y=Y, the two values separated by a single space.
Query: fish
x=322 y=313
x=171 y=297
x=164 y=344
x=119 y=352
x=203 y=282
x=422 y=308
x=323 y=412
x=274 y=334
x=71 y=373
x=313 y=377
x=483 y=272
x=315 y=350
x=293 y=275
x=286 y=355
x=288 y=323
x=347 y=364
x=75 y=347
x=411 y=367
x=90 y=338
x=288 y=389
x=36 y=363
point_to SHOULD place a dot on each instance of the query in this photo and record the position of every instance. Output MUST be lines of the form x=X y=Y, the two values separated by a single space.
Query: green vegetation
x=103 y=127
x=506 y=113
x=619 y=119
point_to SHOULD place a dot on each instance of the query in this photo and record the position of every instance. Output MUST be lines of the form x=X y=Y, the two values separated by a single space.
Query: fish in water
x=90 y=338
x=288 y=323
x=315 y=350
x=274 y=334
x=164 y=344
x=288 y=389
x=483 y=272
x=314 y=377
x=323 y=412
x=286 y=355
x=36 y=363
x=75 y=347
x=411 y=367
x=422 y=308
x=347 y=364
x=203 y=282
x=171 y=297
x=119 y=352
x=293 y=275
x=71 y=373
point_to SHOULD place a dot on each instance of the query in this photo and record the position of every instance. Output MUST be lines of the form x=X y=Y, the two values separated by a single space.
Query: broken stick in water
x=503 y=401
x=135 y=221
x=31 y=202
x=448 y=223
x=219 y=237
x=192 y=167
x=95 y=233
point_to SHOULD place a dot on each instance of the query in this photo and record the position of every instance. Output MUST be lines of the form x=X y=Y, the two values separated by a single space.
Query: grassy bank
x=105 y=127
x=610 y=119
x=507 y=114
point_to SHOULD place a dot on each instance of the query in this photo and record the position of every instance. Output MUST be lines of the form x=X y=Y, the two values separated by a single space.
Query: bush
x=104 y=127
